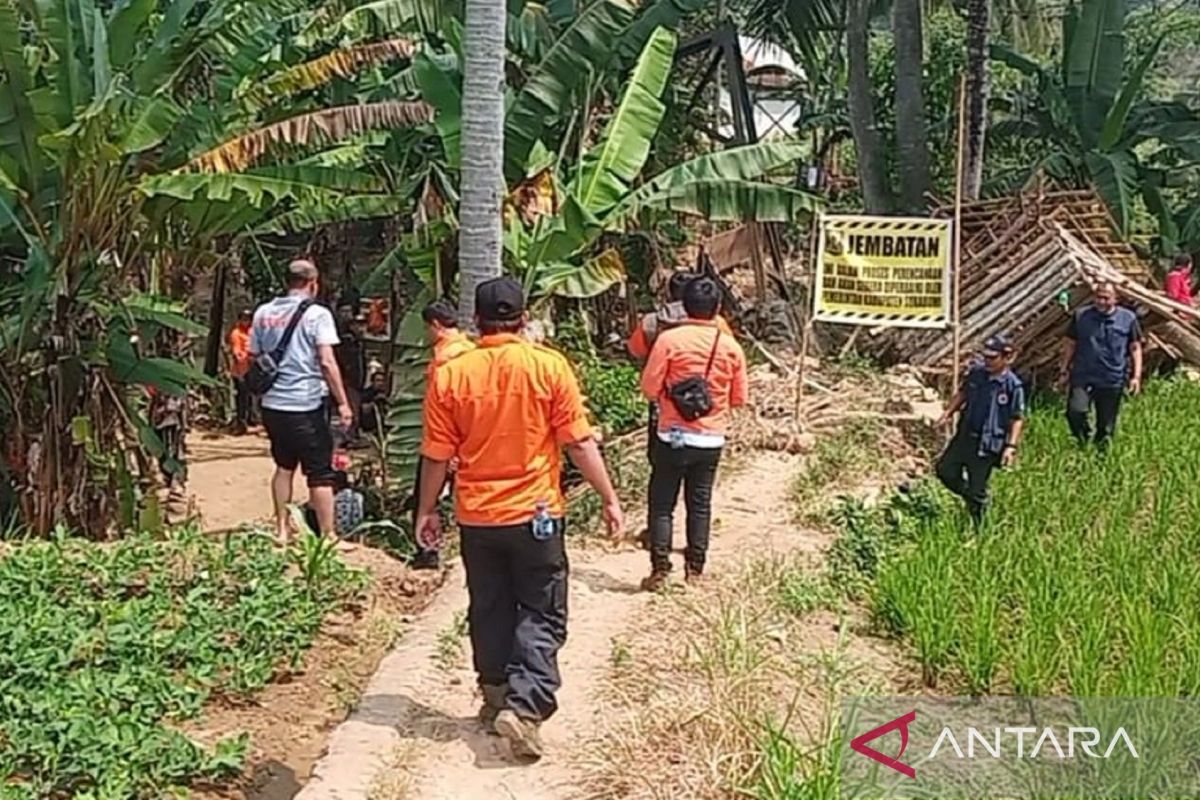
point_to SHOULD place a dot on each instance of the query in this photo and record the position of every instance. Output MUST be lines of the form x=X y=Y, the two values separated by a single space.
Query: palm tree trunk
x=867 y=142
x=978 y=80
x=479 y=240
x=911 y=140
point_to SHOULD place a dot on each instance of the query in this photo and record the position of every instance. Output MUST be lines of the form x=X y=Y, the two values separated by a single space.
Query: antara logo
x=1079 y=740
x=859 y=744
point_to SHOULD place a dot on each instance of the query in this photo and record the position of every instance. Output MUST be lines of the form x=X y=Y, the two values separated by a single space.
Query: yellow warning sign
x=883 y=271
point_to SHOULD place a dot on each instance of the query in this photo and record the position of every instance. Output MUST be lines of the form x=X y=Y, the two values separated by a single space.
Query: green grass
x=837 y=463
x=107 y=647
x=1083 y=580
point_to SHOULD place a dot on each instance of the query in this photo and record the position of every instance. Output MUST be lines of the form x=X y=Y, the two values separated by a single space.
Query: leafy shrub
x=612 y=387
x=106 y=646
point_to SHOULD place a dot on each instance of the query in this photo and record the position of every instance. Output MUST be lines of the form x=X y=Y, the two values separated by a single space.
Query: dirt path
x=229 y=479
x=414 y=733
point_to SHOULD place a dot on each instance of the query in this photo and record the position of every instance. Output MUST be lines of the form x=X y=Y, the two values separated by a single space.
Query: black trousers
x=966 y=473
x=696 y=469
x=1107 y=401
x=243 y=403
x=518 y=612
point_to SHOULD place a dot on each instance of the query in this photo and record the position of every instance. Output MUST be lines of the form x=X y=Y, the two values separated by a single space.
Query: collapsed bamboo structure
x=1028 y=262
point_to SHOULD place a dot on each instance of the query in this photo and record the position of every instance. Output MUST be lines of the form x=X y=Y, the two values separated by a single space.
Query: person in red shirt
x=239 y=365
x=441 y=329
x=688 y=445
x=507 y=410
x=1178 y=285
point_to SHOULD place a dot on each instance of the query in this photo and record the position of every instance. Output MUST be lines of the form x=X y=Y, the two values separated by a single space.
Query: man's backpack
x=692 y=396
x=264 y=368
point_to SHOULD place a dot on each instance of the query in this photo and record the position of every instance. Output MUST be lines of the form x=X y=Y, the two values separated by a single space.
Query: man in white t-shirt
x=294 y=410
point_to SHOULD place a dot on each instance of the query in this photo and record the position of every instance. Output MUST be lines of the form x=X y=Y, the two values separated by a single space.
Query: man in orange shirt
x=696 y=374
x=441 y=328
x=239 y=365
x=505 y=411
x=641 y=341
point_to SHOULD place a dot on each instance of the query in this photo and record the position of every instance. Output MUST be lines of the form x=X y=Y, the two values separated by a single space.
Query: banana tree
x=556 y=252
x=128 y=143
x=1093 y=124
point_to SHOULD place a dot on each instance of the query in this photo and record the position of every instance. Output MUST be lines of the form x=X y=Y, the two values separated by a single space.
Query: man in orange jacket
x=696 y=373
x=505 y=411
x=441 y=327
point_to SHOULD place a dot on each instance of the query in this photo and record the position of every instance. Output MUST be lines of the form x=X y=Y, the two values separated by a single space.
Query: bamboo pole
x=809 y=282
x=958 y=198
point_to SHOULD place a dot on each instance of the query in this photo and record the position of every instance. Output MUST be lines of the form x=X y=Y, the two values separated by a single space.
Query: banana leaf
x=657 y=14
x=738 y=165
x=165 y=312
x=402 y=445
x=266 y=186
x=1116 y=178
x=579 y=53
x=442 y=89
x=125 y=26
x=339 y=208
x=383 y=17
x=18 y=125
x=165 y=374
x=1095 y=58
x=1114 y=125
x=610 y=168
x=595 y=276
x=731 y=199
x=152 y=121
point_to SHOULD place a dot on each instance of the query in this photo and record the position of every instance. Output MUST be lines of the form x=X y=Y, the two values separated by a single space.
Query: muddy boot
x=655 y=581
x=493 y=703
x=693 y=576
x=522 y=734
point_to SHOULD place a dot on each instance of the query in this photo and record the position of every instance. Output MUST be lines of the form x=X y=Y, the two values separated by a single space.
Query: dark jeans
x=243 y=401
x=651 y=430
x=696 y=469
x=1108 y=405
x=518 y=612
x=966 y=473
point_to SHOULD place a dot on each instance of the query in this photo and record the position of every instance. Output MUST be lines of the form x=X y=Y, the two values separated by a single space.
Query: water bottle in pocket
x=543 y=523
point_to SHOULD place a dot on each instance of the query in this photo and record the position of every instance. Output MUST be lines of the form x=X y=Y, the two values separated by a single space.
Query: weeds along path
x=414 y=732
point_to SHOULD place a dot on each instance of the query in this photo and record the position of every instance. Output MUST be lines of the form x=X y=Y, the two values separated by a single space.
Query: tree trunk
x=479 y=239
x=911 y=142
x=978 y=85
x=871 y=176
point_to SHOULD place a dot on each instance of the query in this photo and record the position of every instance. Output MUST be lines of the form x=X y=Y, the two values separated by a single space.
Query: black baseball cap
x=500 y=300
x=997 y=345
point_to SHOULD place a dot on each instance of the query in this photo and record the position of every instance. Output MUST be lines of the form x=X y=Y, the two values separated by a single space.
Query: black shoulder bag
x=264 y=369
x=692 y=396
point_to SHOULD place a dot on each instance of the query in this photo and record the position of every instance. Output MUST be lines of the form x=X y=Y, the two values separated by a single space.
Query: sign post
x=958 y=198
x=883 y=271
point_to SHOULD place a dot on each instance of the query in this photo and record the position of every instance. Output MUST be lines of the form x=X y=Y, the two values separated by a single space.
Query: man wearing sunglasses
x=992 y=402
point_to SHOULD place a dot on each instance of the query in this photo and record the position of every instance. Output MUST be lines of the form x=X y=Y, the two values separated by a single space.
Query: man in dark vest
x=992 y=402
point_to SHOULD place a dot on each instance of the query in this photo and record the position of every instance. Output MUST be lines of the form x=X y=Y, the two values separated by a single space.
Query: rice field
x=1084 y=579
